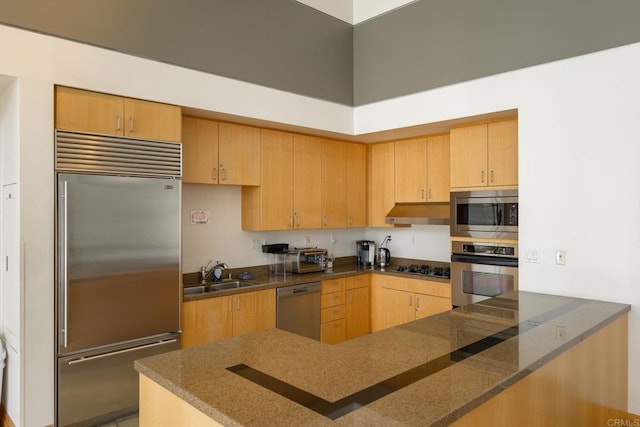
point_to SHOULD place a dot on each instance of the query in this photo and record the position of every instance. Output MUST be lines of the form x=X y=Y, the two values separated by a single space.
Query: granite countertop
x=427 y=372
x=264 y=280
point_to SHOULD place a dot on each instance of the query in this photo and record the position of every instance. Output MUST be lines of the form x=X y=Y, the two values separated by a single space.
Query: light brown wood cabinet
x=397 y=300
x=334 y=184
x=307 y=180
x=381 y=183
x=219 y=153
x=485 y=155
x=99 y=113
x=357 y=306
x=270 y=206
x=421 y=169
x=356 y=185
x=303 y=184
x=218 y=318
x=344 y=308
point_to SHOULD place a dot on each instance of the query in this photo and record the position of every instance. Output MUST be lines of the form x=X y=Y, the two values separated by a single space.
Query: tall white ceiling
x=355 y=11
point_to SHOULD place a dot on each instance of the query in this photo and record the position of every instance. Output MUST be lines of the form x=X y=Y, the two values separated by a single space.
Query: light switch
x=561 y=257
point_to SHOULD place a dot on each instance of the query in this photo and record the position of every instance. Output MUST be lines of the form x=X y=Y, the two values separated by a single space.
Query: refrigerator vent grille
x=107 y=154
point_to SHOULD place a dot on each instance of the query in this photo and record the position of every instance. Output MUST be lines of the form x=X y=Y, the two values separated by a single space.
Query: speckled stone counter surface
x=430 y=371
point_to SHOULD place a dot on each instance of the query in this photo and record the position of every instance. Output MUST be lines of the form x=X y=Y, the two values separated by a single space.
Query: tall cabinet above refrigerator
x=118 y=270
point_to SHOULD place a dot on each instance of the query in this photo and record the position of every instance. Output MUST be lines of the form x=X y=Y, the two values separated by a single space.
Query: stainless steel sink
x=217 y=286
x=229 y=285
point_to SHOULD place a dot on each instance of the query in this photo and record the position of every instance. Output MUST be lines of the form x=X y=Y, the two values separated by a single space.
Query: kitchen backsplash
x=223 y=239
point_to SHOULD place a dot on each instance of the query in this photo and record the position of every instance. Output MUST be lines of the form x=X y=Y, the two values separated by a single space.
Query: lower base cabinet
x=398 y=300
x=218 y=318
x=345 y=309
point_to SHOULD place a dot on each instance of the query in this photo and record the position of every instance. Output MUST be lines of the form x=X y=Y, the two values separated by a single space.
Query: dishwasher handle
x=289 y=291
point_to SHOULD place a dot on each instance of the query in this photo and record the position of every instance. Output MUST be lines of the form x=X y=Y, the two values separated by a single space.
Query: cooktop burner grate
x=426 y=270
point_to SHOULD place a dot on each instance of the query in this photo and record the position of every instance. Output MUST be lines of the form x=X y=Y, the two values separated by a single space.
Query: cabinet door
x=152 y=120
x=206 y=320
x=503 y=153
x=199 y=151
x=398 y=307
x=428 y=305
x=86 y=111
x=334 y=188
x=438 y=172
x=356 y=185
x=239 y=155
x=381 y=186
x=307 y=180
x=410 y=170
x=276 y=204
x=253 y=311
x=468 y=148
x=333 y=332
x=357 y=312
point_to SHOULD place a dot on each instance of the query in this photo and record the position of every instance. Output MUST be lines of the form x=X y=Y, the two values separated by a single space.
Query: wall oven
x=487 y=213
x=482 y=270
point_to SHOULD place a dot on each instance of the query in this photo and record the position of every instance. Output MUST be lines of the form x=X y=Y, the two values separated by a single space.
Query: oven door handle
x=485 y=260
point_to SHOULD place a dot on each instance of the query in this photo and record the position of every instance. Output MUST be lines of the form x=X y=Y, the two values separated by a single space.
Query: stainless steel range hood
x=419 y=213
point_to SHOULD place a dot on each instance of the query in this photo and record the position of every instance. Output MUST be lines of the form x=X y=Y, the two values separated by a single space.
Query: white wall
x=578 y=151
x=38 y=62
x=579 y=177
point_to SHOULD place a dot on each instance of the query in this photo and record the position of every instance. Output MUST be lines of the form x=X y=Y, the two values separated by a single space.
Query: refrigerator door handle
x=126 y=350
x=63 y=255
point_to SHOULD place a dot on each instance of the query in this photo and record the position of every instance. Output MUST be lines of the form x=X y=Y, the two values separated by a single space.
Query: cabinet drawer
x=333 y=285
x=360 y=281
x=332 y=313
x=331 y=300
x=333 y=332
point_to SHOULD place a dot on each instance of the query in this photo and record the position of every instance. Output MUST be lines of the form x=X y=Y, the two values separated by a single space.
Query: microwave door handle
x=499 y=208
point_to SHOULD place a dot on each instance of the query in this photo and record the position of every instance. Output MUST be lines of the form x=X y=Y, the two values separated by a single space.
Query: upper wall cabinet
x=270 y=206
x=381 y=183
x=100 y=113
x=421 y=169
x=485 y=155
x=304 y=184
x=220 y=153
x=356 y=185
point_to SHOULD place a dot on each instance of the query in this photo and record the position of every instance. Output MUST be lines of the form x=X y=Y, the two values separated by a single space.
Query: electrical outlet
x=255 y=244
x=307 y=240
x=333 y=239
x=561 y=257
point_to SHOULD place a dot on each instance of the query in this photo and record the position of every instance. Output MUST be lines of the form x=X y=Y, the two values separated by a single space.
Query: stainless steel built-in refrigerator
x=118 y=270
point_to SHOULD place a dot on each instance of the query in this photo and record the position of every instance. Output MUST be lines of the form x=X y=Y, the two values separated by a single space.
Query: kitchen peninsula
x=518 y=356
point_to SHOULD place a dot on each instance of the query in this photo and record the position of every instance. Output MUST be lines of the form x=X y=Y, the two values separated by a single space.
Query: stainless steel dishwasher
x=298 y=309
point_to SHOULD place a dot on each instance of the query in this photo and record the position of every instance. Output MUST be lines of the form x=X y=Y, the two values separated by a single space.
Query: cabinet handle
x=481 y=176
x=335 y=325
x=350 y=220
x=410 y=300
x=229 y=306
x=131 y=124
x=422 y=194
x=118 y=122
x=491 y=176
x=417 y=303
x=223 y=171
x=237 y=304
x=214 y=174
x=290 y=221
x=429 y=196
x=350 y=297
x=326 y=222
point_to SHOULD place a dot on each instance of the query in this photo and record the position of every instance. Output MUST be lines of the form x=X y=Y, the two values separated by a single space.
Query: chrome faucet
x=204 y=273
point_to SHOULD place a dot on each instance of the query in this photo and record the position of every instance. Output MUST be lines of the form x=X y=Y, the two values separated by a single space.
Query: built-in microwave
x=485 y=213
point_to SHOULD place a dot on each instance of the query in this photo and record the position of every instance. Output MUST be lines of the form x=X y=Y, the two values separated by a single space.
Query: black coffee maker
x=366 y=252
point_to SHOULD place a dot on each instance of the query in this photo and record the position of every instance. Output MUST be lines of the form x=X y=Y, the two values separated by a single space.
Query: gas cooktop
x=425 y=270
